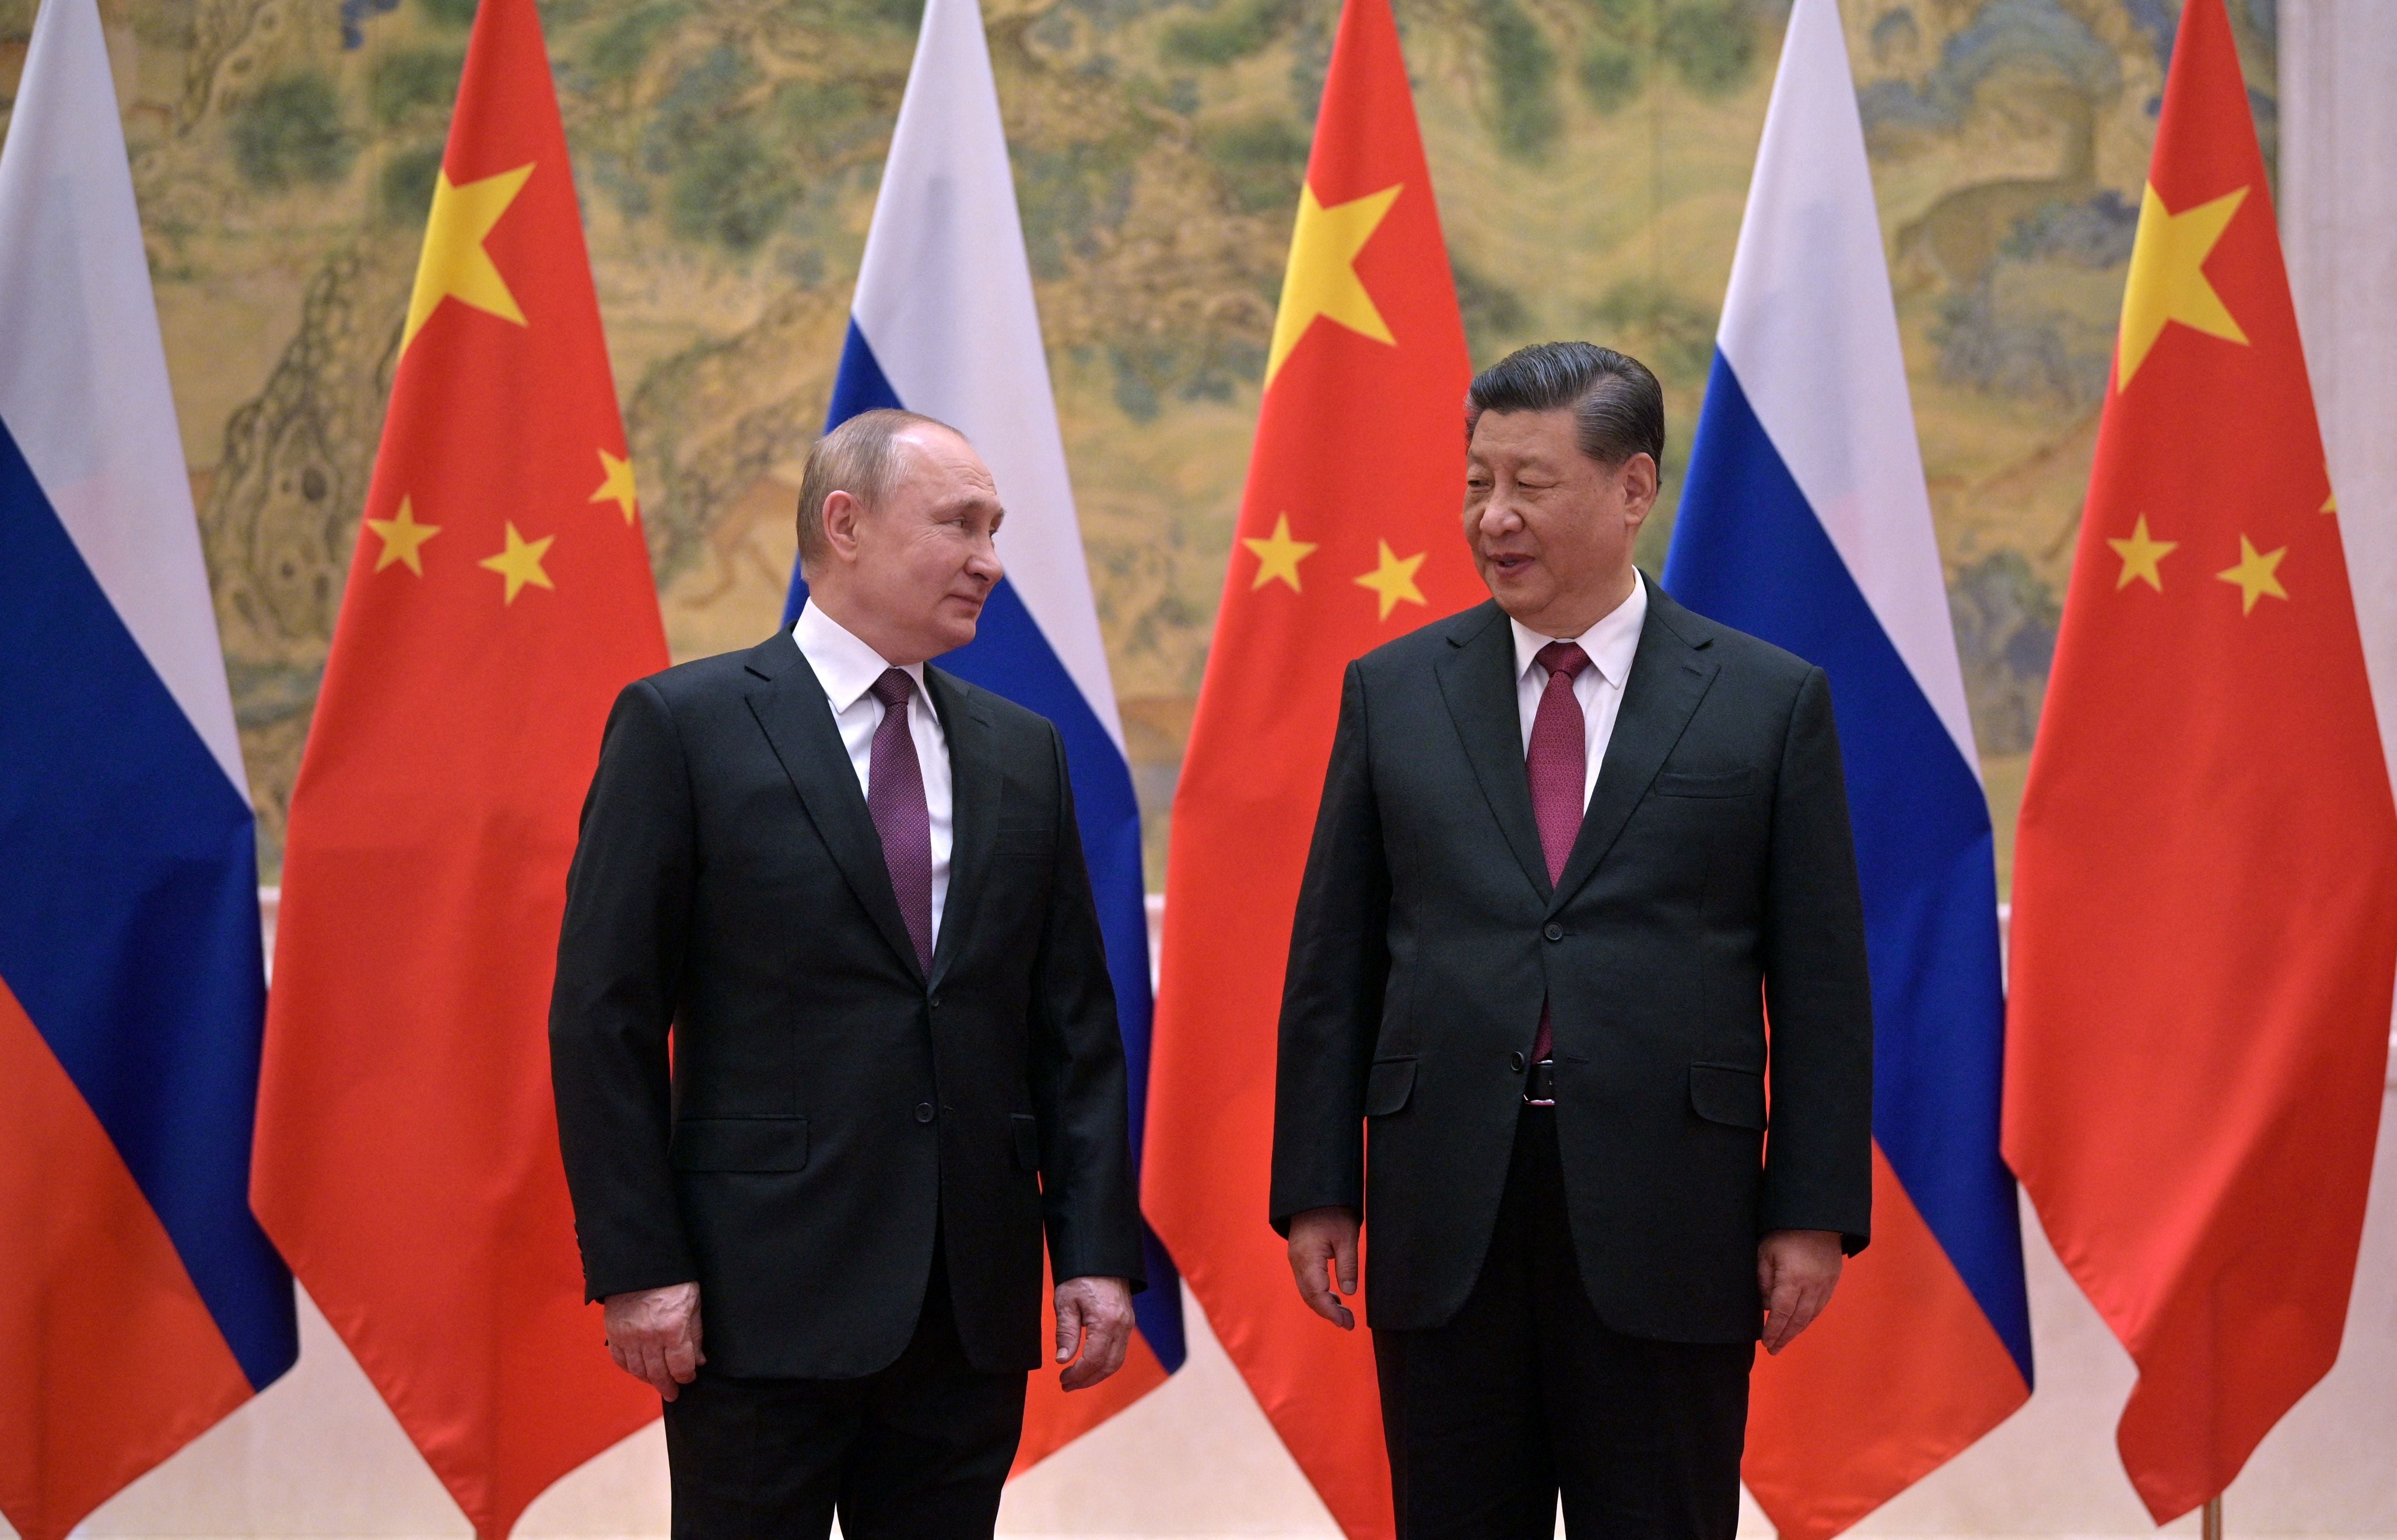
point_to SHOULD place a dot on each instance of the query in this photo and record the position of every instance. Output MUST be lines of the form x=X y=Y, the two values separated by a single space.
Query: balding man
x=849 y=891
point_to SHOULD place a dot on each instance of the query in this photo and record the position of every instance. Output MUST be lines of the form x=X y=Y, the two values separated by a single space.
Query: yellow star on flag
x=1278 y=555
x=618 y=488
x=454 y=265
x=2255 y=575
x=1394 y=579
x=520 y=563
x=403 y=538
x=2142 y=556
x=1321 y=279
x=2168 y=282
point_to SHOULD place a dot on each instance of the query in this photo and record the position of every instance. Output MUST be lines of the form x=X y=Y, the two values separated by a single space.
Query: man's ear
x=841 y=512
x=1639 y=485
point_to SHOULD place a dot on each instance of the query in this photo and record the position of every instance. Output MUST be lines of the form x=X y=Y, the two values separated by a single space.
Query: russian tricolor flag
x=143 y=1302
x=1805 y=521
x=944 y=324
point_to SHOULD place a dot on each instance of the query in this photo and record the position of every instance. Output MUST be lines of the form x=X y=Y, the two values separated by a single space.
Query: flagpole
x=2213 y=1520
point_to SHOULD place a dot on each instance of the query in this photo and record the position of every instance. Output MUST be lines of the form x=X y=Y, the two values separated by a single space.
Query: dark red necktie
x=894 y=796
x=1557 y=762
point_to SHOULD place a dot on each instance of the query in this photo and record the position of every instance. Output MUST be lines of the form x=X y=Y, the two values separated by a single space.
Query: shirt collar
x=1611 y=643
x=844 y=666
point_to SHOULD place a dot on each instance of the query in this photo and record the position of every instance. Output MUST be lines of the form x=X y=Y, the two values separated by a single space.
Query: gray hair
x=859 y=458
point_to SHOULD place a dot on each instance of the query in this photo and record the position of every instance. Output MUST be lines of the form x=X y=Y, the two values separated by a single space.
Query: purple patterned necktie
x=894 y=796
x=1556 y=763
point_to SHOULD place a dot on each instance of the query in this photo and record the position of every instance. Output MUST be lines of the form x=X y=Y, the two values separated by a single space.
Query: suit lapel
x=1669 y=677
x=790 y=707
x=974 y=810
x=1476 y=679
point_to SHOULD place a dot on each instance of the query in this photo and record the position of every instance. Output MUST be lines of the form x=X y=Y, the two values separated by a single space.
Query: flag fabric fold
x=1805 y=521
x=144 y=1302
x=944 y=324
x=1348 y=536
x=2204 y=937
x=498 y=598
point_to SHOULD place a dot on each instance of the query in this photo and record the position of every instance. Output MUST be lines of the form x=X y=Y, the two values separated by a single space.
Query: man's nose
x=984 y=563
x=1499 y=516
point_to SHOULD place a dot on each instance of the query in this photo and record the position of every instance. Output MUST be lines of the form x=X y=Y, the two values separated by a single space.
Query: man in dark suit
x=1574 y=846
x=849 y=889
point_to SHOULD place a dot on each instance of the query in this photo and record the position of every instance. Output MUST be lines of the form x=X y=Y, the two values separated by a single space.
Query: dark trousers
x=1527 y=1394
x=917 y=1451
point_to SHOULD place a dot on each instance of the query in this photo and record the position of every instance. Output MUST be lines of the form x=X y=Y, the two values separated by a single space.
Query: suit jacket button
x=1515 y=1062
x=1554 y=933
x=923 y=1112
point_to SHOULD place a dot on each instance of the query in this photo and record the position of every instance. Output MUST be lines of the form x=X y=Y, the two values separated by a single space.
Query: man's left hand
x=1094 y=1329
x=1796 y=1271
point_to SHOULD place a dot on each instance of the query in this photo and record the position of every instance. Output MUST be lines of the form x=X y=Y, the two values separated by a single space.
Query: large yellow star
x=454 y=265
x=1278 y=555
x=1394 y=579
x=1321 y=279
x=618 y=488
x=520 y=563
x=2255 y=575
x=2168 y=282
x=403 y=538
x=2142 y=557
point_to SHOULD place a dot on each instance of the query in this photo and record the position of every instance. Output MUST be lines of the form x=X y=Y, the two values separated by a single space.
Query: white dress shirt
x=1611 y=643
x=846 y=668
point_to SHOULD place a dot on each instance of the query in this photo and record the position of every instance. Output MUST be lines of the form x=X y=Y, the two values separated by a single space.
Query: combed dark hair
x=857 y=458
x=1618 y=408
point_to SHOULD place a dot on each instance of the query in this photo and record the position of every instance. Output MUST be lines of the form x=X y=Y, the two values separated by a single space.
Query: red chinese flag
x=2205 y=877
x=408 y=1161
x=1349 y=535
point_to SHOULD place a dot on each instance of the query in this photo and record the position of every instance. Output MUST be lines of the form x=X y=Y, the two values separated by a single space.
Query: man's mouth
x=1509 y=562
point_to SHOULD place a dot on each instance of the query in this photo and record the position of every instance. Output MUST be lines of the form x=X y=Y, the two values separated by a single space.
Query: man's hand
x=1323 y=1243
x=1094 y=1329
x=1796 y=1271
x=653 y=1336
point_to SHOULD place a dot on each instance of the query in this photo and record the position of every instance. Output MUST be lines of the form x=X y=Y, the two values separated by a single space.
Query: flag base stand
x=2212 y=1523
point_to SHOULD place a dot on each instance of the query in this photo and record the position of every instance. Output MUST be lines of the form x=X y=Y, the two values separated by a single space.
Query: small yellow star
x=520 y=563
x=1321 y=279
x=2330 y=504
x=618 y=488
x=454 y=265
x=2168 y=282
x=1279 y=557
x=2142 y=556
x=2255 y=575
x=403 y=537
x=1394 y=579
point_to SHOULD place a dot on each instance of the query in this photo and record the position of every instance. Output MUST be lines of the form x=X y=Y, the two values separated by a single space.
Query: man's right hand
x=1322 y=1245
x=653 y=1336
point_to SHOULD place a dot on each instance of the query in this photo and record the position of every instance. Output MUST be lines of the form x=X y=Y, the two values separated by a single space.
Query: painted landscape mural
x=1590 y=158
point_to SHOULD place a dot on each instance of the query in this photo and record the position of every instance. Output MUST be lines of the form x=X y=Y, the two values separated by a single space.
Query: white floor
x=318 y=1455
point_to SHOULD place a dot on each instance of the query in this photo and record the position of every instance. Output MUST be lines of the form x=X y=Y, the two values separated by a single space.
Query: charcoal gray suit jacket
x=1714 y=881
x=833 y=1110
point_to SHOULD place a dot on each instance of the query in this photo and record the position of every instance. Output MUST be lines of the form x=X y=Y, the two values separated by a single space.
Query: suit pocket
x=1027 y=1129
x=740 y=1143
x=1725 y=1093
x=1737 y=783
x=1388 y=1086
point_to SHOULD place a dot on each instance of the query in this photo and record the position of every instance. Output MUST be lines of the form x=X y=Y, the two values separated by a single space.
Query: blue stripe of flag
x=129 y=921
x=1748 y=551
